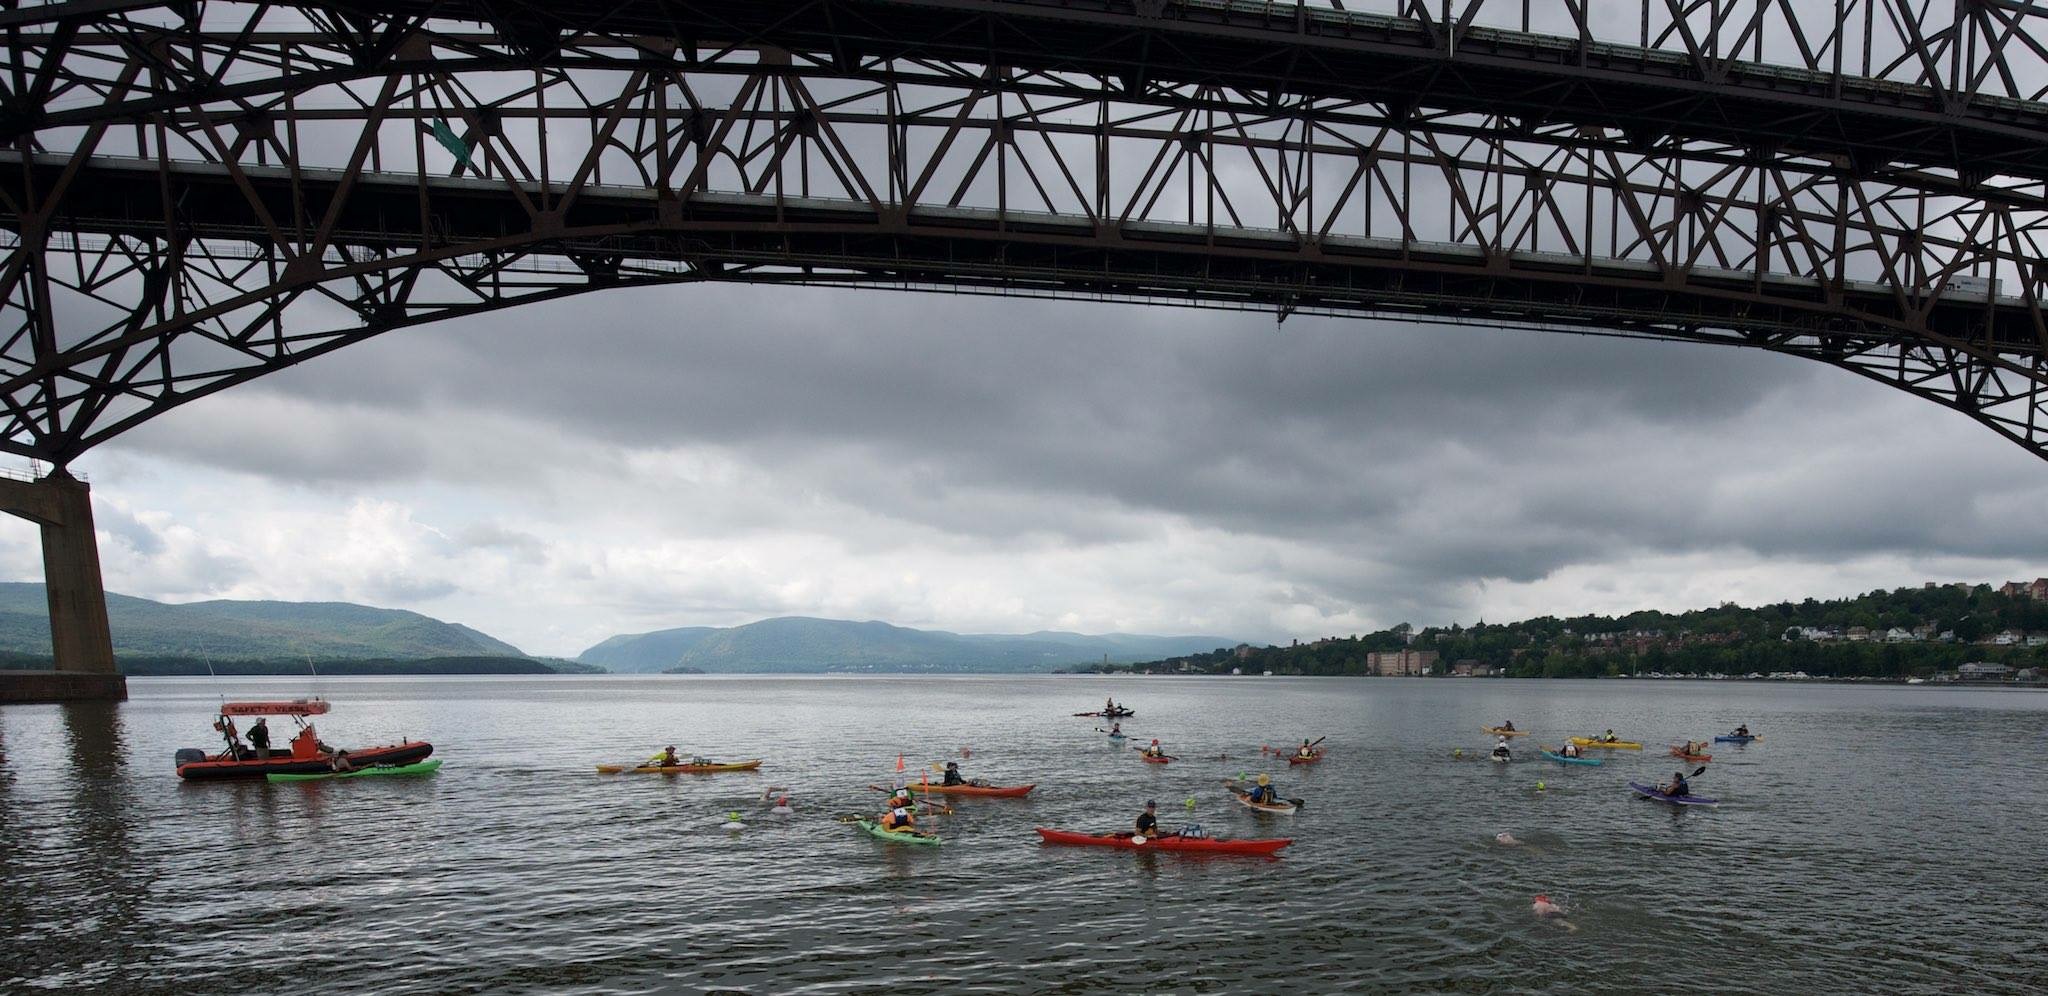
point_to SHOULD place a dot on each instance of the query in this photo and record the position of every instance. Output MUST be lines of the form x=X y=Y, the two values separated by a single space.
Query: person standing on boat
x=259 y=738
x=1148 y=821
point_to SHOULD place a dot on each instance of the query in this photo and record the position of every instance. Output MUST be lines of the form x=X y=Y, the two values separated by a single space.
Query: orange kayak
x=678 y=769
x=1679 y=752
x=991 y=791
x=1311 y=759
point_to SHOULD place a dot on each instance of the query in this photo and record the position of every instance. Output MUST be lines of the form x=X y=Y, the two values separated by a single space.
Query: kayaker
x=1155 y=750
x=1148 y=821
x=1263 y=791
x=666 y=759
x=1500 y=750
x=1307 y=750
x=259 y=738
x=1116 y=729
x=1569 y=750
x=899 y=818
x=1677 y=786
x=1508 y=725
x=953 y=774
x=1610 y=738
x=1742 y=731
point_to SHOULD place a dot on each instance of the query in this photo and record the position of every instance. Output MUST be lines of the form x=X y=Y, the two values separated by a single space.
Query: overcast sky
x=636 y=460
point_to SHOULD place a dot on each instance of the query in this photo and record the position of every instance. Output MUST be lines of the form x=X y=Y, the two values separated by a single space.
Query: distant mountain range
x=801 y=645
x=229 y=630
x=341 y=637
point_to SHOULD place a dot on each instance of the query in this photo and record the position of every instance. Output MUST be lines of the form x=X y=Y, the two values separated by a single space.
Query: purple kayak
x=1650 y=792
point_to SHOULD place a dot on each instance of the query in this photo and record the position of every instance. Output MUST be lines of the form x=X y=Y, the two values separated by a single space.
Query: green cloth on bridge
x=451 y=141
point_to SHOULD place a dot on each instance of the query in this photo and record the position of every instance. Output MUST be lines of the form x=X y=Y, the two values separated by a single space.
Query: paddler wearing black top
x=953 y=774
x=259 y=738
x=1148 y=821
x=1740 y=731
x=1678 y=786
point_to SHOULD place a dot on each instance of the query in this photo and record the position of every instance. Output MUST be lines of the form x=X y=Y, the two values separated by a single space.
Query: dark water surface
x=1879 y=839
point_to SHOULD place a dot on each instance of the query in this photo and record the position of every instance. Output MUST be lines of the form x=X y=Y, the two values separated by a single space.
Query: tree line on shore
x=1728 y=640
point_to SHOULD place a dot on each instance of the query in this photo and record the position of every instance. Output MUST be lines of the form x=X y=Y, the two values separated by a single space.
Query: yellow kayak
x=1498 y=732
x=1609 y=745
x=678 y=769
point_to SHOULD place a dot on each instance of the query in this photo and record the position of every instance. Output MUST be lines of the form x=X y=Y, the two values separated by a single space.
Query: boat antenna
x=207 y=656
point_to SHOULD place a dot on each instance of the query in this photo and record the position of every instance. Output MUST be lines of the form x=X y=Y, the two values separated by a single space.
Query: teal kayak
x=422 y=768
x=1561 y=759
x=896 y=836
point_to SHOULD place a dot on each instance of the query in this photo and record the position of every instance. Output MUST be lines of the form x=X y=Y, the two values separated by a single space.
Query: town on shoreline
x=1938 y=632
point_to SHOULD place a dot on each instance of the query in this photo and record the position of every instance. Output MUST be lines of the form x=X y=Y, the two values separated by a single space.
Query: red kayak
x=992 y=791
x=1208 y=845
x=1149 y=759
x=1311 y=759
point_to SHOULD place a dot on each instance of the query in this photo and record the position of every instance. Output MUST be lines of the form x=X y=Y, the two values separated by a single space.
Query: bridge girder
x=175 y=236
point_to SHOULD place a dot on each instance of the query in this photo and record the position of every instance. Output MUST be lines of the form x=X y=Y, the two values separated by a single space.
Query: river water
x=1878 y=839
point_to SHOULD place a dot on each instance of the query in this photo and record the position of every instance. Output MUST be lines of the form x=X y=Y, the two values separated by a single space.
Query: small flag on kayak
x=899 y=762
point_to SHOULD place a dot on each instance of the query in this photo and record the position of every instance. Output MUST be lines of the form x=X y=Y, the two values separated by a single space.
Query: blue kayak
x=1561 y=759
x=1731 y=739
x=1650 y=792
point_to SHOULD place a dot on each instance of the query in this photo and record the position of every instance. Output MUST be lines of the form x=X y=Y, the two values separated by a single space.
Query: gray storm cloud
x=1346 y=470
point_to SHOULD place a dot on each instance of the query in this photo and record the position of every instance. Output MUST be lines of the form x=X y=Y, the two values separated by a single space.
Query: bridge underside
x=197 y=196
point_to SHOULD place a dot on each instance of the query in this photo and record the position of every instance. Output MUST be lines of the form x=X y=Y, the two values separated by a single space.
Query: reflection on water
x=520 y=869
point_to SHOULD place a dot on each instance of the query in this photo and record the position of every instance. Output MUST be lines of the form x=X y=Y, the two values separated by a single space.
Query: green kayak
x=422 y=768
x=875 y=830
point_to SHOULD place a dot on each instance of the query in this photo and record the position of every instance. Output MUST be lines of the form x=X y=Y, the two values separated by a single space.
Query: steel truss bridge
x=195 y=193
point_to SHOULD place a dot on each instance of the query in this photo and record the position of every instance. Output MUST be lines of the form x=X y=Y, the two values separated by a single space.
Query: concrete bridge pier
x=82 y=645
